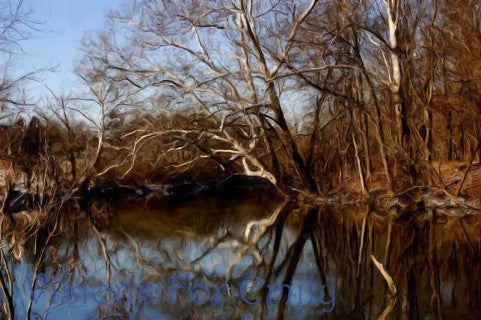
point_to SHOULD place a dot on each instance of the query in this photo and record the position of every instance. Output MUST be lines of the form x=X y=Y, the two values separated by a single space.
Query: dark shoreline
x=236 y=186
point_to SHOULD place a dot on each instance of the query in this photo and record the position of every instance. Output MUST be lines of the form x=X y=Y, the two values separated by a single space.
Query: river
x=196 y=260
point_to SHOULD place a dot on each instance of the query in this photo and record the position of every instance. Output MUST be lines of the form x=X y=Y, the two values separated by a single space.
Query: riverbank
x=454 y=186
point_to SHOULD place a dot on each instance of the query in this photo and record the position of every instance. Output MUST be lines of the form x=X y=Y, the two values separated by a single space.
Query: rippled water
x=194 y=261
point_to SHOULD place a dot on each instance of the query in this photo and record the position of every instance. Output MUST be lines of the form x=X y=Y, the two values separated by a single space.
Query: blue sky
x=64 y=22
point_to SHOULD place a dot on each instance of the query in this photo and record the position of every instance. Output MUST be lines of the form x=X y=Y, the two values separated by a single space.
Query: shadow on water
x=254 y=258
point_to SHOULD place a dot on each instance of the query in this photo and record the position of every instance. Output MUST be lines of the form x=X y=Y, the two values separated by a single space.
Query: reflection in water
x=196 y=261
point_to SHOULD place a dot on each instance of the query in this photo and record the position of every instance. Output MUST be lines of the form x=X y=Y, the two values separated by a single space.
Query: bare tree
x=107 y=102
x=218 y=59
x=16 y=26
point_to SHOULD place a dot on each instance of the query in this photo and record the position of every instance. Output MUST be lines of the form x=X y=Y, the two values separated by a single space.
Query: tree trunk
x=393 y=15
x=366 y=144
x=359 y=165
x=73 y=169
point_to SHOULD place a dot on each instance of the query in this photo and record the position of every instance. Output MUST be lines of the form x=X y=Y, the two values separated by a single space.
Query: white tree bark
x=393 y=8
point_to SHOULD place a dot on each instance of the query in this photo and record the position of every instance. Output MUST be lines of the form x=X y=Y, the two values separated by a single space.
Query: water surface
x=194 y=260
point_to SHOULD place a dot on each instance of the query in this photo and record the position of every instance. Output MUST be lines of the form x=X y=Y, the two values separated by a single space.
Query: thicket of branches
x=308 y=94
